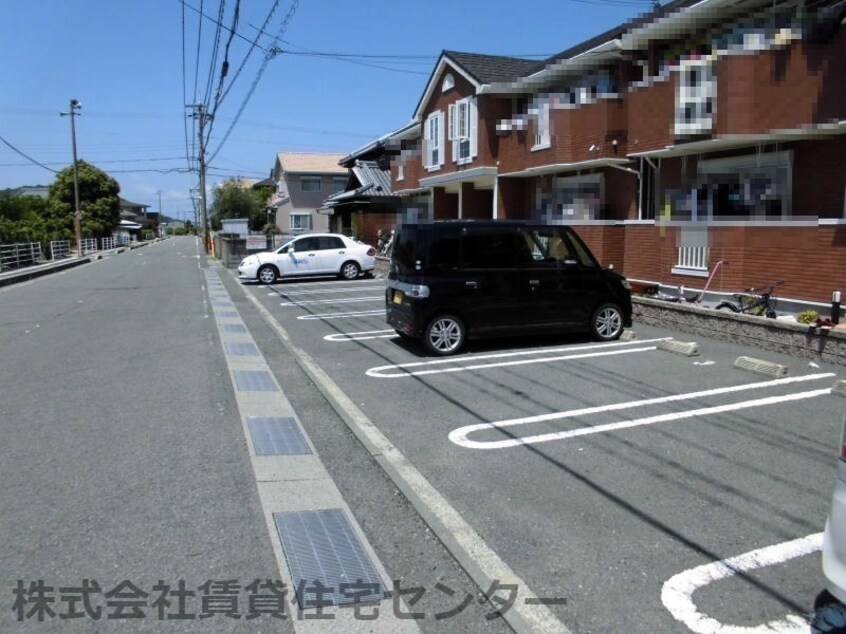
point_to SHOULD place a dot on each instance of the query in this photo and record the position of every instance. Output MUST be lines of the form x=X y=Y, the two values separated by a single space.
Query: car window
x=583 y=255
x=444 y=250
x=494 y=248
x=330 y=242
x=408 y=249
x=548 y=245
x=306 y=244
x=284 y=247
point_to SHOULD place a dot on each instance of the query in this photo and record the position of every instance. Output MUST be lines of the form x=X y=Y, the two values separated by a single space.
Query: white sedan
x=311 y=254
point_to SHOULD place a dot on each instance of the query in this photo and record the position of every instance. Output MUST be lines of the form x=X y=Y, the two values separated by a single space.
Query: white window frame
x=772 y=160
x=400 y=171
x=433 y=141
x=543 y=136
x=300 y=215
x=311 y=179
x=463 y=130
x=696 y=95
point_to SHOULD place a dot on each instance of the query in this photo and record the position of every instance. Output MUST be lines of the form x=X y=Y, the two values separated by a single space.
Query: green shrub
x=807 y=317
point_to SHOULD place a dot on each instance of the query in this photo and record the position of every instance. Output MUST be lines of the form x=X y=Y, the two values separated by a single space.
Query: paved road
x=124 y=457
x=690 y=461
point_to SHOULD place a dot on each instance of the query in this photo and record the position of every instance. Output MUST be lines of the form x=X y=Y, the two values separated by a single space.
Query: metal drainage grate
x=277 y=436
x=241 y=349
x=321 y=548
x=232 y=328
x=254 y=381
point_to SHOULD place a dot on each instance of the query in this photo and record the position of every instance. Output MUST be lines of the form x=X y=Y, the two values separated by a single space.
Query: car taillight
x=371 y=251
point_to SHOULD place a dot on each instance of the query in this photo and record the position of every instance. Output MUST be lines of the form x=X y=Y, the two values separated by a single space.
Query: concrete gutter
x=30 y=273
x=799 y=340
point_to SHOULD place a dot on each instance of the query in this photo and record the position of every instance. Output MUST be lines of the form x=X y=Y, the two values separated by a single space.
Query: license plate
x=397 y=297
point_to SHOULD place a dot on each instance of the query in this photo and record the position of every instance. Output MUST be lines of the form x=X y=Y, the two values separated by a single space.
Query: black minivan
x=458 y=279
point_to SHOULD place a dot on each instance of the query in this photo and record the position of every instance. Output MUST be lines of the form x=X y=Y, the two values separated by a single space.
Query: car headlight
x=626 y=284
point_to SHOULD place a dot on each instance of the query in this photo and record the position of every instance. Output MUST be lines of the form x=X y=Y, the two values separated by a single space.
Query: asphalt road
x=123 y=458
x=689 y=461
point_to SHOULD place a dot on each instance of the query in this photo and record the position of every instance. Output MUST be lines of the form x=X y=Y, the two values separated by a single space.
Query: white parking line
x=677 y=593
x=350 y=315
x=361 y=336
x=459 y=436
x=649 y=420
x=346 y=300
x=331 y=290
x=380 y=372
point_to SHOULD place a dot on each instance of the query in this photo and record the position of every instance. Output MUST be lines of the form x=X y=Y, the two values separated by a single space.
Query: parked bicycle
x=754 y=301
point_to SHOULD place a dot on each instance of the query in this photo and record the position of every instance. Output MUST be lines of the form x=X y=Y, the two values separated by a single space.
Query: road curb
x=25 y=275
x=465 y=545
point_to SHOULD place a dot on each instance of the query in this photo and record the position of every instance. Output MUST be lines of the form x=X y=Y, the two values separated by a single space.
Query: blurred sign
x=256 y=243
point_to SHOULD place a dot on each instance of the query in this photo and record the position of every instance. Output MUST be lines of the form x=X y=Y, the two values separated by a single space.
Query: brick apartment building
x=707 y=131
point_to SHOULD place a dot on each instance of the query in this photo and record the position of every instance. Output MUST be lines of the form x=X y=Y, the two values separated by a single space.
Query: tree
x=22 y=219
x=98 y=201
x=234 y=199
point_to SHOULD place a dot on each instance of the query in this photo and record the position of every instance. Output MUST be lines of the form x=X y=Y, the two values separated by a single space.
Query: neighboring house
x=706 y=131
x=368 y=204
x=302 y=182
x=133 y=211
x=40 y=191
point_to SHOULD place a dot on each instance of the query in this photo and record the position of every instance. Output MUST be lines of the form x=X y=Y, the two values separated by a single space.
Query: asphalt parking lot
x=611 y=477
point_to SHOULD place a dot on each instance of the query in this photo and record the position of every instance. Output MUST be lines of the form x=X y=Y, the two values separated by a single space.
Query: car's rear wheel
x=606 y=324
x=444 y=335
x=268 y=274
x=350 y=270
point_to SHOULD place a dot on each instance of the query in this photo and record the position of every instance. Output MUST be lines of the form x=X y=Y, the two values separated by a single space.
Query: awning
x=456 y=177
x=567 y=167
x=732 y=141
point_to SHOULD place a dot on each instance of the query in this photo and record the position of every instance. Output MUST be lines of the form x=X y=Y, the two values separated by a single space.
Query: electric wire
x=27 y=157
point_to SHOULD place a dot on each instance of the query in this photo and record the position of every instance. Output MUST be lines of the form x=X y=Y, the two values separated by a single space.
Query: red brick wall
x=819 y=177
x=621 y=189
x=476 y=204
x=651 y=114
x=446 y=205
x=368 y=225
x=514 y=199
x=784 y=88
x=606 y=242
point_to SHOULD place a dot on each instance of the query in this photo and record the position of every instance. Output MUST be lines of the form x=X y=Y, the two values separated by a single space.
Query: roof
x=489 y=68
x=373 y=182
x=303 y=163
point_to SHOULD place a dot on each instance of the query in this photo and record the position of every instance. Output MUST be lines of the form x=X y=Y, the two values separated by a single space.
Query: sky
x=344 y=73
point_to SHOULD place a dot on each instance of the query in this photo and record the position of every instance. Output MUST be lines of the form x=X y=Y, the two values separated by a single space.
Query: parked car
x=834 y=539
x=454 y=280
x=310 y=254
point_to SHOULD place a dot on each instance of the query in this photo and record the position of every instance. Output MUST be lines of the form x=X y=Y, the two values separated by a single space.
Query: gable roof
x=480 y=70
x=489 y=68
x=305 y=163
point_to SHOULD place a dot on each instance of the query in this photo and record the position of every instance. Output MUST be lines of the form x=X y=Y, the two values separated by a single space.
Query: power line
x=28 y=158
x=269 y=55
x=215 y=49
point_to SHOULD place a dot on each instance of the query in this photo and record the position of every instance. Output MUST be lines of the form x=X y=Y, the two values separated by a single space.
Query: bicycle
x=753 y=301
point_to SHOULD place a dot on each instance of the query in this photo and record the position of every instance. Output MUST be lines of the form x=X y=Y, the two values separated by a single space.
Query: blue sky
x=124 y=61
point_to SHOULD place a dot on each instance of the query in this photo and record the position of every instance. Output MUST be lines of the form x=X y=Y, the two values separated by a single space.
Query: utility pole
x=159 y=228
x=202 y=117
x=74 y=106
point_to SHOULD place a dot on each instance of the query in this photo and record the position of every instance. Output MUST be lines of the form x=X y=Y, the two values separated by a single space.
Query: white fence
x=88 y=245
x=693 y=258
x=59 y=249
x=14 y=256
x=107 y=243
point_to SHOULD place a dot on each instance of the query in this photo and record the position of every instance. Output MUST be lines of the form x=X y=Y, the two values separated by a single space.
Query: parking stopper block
x=839 y=388
x=687 y=348
x=758 y=366
x=628 y=335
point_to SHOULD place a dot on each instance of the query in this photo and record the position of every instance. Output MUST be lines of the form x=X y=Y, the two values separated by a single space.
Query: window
x=400 y=172
x=494 y=248
x=306 y=244
x=548 y=245
x=750 y=186
x=572 y=198
x=339 y=184
x=693 y=252
x=330 y=242
x=300 y=222
x=310 y=183
x=448 y=83
x=695 y=97
x=434 y=140
x=542 y=130
x=462 y=130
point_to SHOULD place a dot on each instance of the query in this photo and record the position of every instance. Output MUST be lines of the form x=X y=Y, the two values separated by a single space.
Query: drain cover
x=241 y=349
x=277 y=436
x=254 y=381
x=326 y=560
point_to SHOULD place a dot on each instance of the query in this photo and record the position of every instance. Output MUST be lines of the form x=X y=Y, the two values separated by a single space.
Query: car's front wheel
x=267 y=274
x=606 y=324
x=350 y=270
x=444 y=335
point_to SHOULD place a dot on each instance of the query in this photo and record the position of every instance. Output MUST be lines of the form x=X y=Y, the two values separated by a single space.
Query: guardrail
x=88 y=245
x=106 y=244
x=59 y=249
x=19 y=254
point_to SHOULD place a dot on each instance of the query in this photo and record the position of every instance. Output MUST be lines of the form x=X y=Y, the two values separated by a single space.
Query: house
x=302 y=182
x=705 y=132
x=368 y=206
